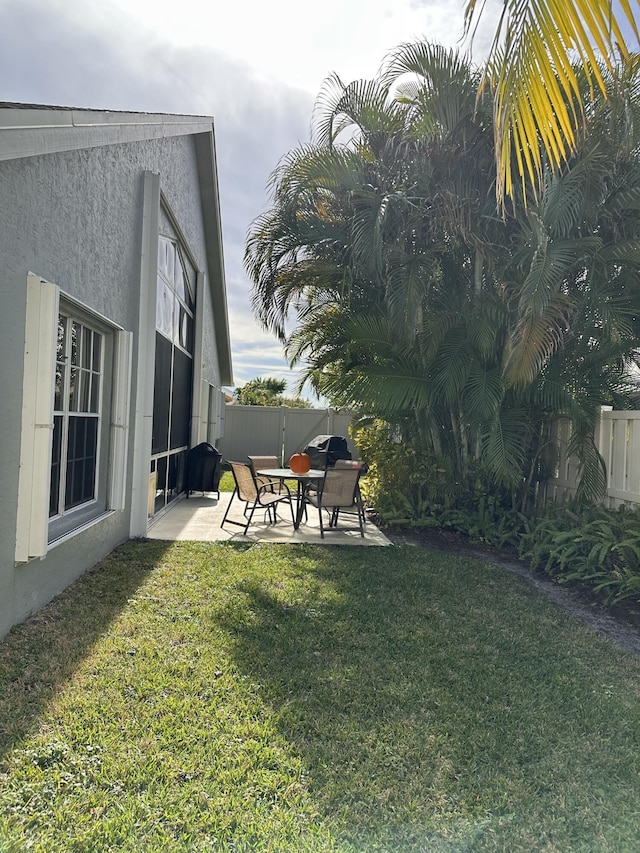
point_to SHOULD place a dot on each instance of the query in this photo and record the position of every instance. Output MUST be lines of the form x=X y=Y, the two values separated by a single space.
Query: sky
x=256 y=66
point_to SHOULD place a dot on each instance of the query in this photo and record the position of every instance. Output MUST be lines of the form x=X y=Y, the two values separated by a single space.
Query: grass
x=226 y=481
x=211 y=697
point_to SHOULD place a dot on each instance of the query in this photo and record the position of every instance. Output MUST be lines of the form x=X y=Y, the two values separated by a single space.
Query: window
x=75 y=414
x=175 y=300
x=77 y=418
x=215 y=413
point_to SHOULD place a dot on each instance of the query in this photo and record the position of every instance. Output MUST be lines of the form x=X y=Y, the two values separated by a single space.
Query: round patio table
x=314 y=475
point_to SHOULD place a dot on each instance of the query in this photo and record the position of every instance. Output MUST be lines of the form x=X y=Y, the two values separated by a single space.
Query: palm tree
x=383 y=242
x=532 y=73
x=415 y=302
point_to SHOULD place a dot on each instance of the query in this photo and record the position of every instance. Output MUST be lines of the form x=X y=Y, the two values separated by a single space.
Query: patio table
x=302 y=481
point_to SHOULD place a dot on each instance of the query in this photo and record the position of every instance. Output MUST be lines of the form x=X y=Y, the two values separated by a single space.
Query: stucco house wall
x=76 y=217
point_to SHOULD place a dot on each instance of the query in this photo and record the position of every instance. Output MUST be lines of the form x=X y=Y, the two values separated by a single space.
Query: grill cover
x=324 y=450
x=203 y=469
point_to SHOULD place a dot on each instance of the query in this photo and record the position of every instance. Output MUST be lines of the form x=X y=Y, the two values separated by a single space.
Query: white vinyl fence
x=618 y=440
x=279 y=431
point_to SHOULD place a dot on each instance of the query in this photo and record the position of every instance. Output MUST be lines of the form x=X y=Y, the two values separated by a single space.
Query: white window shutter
x=34 y=477
x=120 y=408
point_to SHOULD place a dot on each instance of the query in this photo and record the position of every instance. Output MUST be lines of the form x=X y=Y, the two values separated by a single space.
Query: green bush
x=591 y=544
x=410 y=487
x=404 y=482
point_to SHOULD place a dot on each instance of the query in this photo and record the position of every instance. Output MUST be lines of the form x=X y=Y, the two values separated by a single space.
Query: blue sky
x=255 y=66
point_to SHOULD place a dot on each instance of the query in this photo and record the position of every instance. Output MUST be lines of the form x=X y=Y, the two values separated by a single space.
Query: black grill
x=325 y=450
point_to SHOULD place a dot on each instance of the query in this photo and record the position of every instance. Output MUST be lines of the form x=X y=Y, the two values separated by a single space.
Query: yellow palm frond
x=531 y=72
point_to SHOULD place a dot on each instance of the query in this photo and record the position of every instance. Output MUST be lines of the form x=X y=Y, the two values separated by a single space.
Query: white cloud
x=255 y=66
x=299 y=43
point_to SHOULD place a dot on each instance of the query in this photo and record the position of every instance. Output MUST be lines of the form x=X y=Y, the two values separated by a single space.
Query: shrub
x=405 y=483
x=591 y=544
x=409 y=486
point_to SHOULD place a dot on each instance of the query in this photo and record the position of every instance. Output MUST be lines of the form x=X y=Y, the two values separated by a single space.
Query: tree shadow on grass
x=38 y=656
x=424 y=699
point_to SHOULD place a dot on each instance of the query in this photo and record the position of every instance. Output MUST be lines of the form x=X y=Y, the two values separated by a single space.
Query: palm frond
x=531 y=72
x=483 y=393
x=534 y=341
x=423 y=73
x=504 y=448
x=451 y=366
x=562 y=206
x=622 y=252
x=407 y=281
x=363 y=107
x=625 y=199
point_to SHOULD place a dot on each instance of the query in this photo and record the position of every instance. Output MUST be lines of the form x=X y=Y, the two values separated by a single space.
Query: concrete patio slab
x=198 y=519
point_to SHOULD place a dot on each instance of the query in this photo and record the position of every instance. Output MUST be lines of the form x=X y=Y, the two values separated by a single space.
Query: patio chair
x=260 y=462
x=339 y=490
x=339 y=463
x=254 y=495
x=349 y=463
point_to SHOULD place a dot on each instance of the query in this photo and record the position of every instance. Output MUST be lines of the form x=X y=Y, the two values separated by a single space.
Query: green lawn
x=212 y=697
x=226 y=482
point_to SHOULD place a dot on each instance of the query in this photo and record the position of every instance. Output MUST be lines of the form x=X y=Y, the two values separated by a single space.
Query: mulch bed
x=619 y=622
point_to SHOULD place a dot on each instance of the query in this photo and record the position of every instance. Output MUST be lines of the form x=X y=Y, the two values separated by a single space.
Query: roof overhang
x=208 y=176
x=27 y=131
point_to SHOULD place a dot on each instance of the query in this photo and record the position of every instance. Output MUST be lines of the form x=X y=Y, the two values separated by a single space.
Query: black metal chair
x=255 y=494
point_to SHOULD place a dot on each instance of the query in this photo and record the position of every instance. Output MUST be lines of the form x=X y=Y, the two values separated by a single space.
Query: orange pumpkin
x=300 y=463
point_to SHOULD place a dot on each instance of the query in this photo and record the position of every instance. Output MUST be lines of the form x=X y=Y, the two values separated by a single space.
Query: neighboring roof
x=28 y=130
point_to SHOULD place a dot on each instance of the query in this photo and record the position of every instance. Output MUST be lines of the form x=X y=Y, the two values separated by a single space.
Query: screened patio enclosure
x=173 y=378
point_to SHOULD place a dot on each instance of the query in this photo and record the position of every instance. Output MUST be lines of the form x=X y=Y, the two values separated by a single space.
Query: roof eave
x=208 y=176
x=30 y=131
